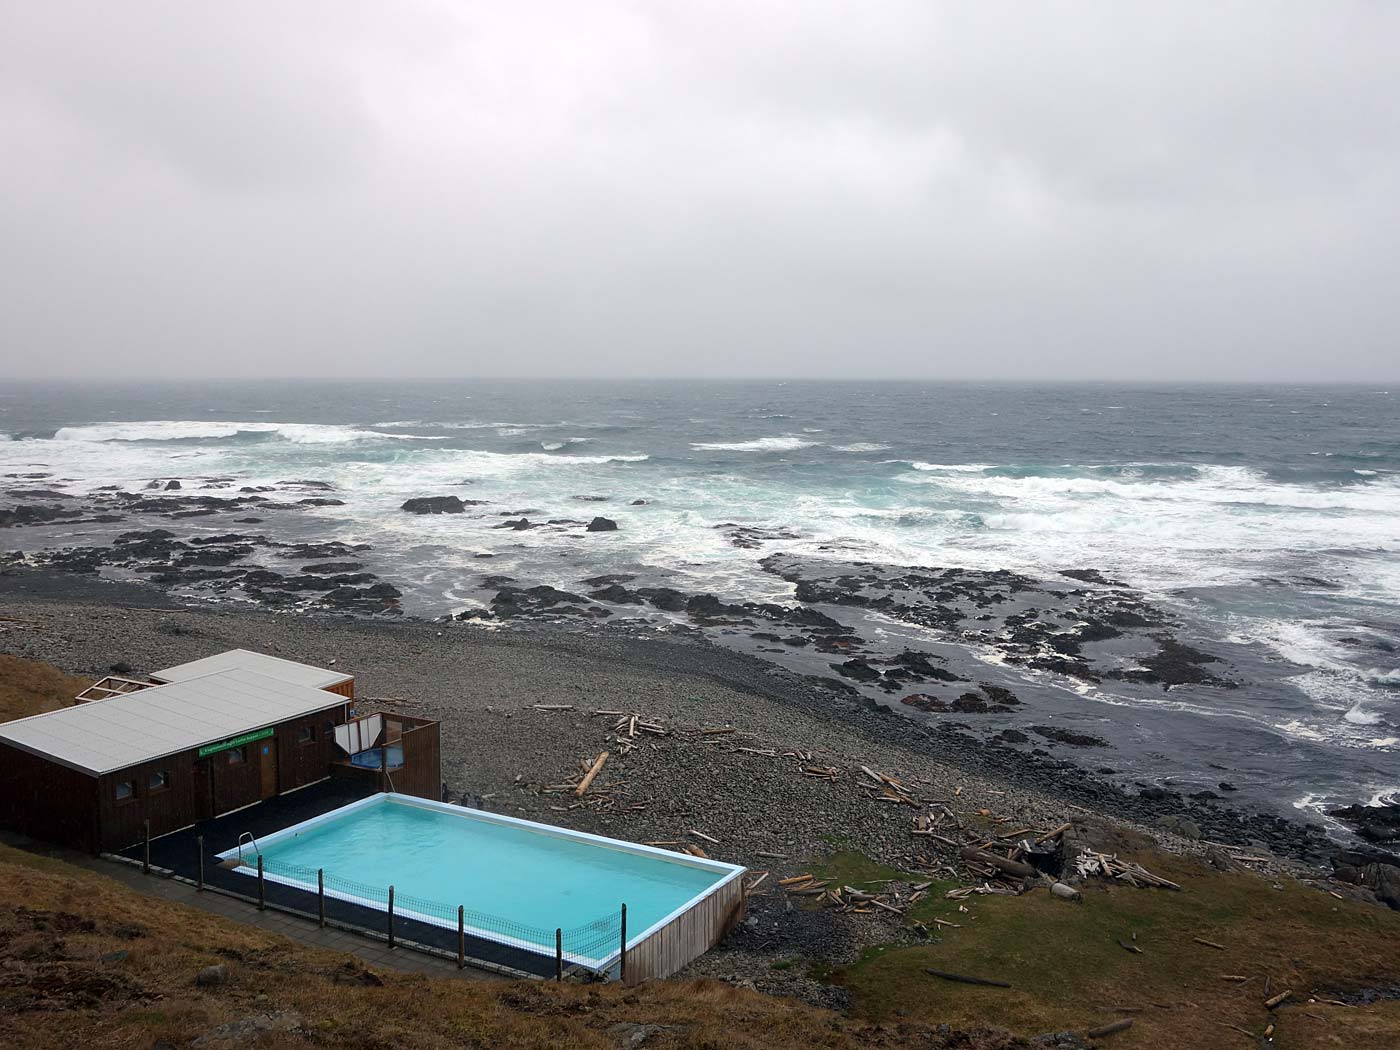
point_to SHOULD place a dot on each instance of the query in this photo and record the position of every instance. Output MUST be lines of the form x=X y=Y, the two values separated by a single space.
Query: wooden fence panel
x=687 y=936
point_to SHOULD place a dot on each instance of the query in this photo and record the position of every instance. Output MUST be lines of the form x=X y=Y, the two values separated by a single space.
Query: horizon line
x=135 y=378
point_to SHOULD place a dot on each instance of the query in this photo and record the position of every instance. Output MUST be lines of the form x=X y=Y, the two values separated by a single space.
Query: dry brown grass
x=28 y=687
x=56 y=989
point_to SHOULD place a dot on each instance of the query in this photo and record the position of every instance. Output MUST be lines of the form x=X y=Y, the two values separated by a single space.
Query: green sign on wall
x=237 y=741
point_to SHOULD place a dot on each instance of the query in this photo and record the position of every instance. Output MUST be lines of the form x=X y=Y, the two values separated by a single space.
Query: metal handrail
x=251 y=839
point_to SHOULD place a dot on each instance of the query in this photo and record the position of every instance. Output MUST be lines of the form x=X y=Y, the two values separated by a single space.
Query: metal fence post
x=199 y=842
x=622 y=961
x=558 y=954
x=391 y=916
x=262 y=886
x=321 y=896
x=146 y=856
x=461 y=936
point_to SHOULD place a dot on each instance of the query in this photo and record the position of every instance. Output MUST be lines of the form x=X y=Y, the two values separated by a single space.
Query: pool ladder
x=252 y=841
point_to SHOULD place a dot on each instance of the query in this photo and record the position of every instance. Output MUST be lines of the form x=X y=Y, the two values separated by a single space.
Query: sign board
x=237 y=741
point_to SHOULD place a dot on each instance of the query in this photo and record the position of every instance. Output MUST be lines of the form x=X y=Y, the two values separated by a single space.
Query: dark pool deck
x=177 y=856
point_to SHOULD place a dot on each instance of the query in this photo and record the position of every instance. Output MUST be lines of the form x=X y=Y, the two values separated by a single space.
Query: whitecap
x=1359 y=716
x=155 y=430
x=949 y=468
x=789 y=443
x=159 y=430
x=861 y=446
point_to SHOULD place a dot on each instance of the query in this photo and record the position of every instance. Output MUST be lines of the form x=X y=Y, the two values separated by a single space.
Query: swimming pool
x=519 y=881
x=379 y=758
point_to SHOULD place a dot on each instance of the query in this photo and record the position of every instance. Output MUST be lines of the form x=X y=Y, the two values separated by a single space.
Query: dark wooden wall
x=123 y=822
x=46 y=800
x=421 y=774
x=235 y=784
x=301 y=764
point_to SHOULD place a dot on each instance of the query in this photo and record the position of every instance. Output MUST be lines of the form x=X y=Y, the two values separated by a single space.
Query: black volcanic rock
x=1066 y=736
x=858 y=670
x=1176 y=664
x=215 y=555
x=532 y=601
x=609 y=579
x=617 y=594
x=1375 y=823
x=602 y=525
x=328 y=549
x=29 y=514
x=668 y=599
x=434 y=505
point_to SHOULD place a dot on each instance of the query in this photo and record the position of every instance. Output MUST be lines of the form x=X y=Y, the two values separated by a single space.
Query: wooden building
x=216 y=735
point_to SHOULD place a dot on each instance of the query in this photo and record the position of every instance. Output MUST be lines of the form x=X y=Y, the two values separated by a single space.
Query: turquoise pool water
x=517 y=871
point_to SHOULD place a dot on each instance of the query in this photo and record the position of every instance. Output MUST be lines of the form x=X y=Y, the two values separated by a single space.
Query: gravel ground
x=501 y=751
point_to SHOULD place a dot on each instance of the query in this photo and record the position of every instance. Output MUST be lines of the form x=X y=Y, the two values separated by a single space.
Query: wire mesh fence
x=592 y=944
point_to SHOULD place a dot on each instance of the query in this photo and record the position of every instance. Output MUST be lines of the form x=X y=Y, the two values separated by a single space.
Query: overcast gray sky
x=1108 y=190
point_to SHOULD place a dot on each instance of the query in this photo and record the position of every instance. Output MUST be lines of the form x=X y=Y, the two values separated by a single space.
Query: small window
x=126 y=790
x=159 y=781
x=306 y=735
x=237 y=756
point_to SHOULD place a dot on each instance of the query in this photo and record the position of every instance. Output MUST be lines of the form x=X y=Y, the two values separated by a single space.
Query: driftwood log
x=593 y=772
x=1003 y=864
x=1110 y=1029
x=963 y=978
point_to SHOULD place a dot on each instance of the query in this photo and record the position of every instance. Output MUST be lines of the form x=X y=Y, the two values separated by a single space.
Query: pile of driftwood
x=1090 y=862
x=628 y=726
x=851 y=900
x=887 y=789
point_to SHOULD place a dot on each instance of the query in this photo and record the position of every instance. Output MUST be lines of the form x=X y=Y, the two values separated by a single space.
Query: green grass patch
x=1068 y=970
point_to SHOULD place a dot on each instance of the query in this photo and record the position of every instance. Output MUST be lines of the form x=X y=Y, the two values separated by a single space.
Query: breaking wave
x=184 y=430
x=787 y=443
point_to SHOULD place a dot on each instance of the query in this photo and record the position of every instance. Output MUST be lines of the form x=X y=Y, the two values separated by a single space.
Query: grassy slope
x=1068 y=970
x=57 y=990
x=30 y=688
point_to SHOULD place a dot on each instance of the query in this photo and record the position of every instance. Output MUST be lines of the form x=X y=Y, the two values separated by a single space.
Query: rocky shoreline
x=835 y=649
x=772 y=691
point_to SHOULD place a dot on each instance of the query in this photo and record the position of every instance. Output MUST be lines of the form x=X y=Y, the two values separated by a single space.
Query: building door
x=269 y=767
x=202 y=778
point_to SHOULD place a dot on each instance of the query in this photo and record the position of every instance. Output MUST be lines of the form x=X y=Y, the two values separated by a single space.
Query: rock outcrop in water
x=434 y=505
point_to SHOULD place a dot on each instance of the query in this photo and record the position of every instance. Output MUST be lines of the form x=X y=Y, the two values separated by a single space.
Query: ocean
x=1264 y=520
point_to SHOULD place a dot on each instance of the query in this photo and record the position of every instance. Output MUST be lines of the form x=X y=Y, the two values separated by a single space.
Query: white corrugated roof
x=163 y=720
x=245 y=660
